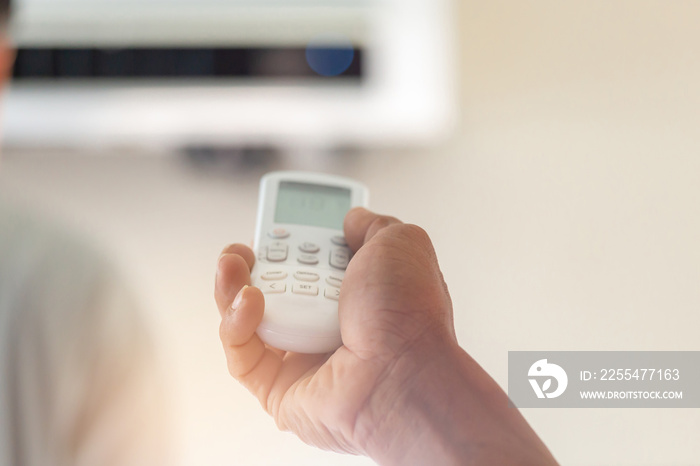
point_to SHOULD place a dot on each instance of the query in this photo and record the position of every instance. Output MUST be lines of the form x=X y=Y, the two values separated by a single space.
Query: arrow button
x=273 y=287
x=332 y=292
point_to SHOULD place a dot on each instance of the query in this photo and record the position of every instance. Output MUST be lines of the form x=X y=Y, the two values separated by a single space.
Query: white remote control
x=302 y=256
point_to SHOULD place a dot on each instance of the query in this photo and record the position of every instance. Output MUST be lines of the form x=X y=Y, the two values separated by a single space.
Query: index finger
x=242 y=250
x=232 y=273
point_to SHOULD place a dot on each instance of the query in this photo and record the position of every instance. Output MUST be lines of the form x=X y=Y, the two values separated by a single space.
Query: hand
x=398 y=362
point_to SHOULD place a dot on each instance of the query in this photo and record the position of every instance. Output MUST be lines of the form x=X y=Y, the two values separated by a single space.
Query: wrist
x=399 y=421
x=437 y=405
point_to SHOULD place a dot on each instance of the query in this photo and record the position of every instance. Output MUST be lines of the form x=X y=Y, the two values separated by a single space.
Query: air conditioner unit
x=237 y=72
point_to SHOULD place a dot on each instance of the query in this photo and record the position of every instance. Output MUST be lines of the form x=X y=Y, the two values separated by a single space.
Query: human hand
x=398 y=345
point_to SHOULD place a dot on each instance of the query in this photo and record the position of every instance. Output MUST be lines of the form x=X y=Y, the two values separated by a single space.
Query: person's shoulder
x=28 y=236
x=40 y=259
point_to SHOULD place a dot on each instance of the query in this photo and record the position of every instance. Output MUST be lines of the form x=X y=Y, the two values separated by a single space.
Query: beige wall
x=581 y=150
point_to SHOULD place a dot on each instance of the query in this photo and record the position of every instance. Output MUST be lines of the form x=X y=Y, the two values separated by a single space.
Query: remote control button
x=308 y=259
x=276 y=255
x=274 y=275
x=309 y=290
x=332 y=292
x=304 y=276
x=277 y=252
x=278 y=233
x=339 y=241
x=334 y=281
x=340 y=258
x=310 y=248
x=273 y=287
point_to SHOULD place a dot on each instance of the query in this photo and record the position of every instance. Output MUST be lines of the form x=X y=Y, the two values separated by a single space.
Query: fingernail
x=239 y=299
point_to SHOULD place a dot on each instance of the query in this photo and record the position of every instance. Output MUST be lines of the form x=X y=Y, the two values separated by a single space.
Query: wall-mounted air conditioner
x=237 y=72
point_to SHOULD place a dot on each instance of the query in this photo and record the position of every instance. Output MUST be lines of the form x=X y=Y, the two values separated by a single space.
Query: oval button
x=277 y=252
x=304 y=276
x=339 y=241
x=310 y=248
x=332 y=293
x=340 y=257
x=276 y=256
x=274 y=275
x=278 y=233
x=308 y=259
x=273 y=288
x=309 y=290
x=334 y=281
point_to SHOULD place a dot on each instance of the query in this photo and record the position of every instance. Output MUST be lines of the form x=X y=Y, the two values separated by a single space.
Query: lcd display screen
x=312 y=205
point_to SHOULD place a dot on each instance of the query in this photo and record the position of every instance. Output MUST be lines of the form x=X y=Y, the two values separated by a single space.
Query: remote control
x=301 y=257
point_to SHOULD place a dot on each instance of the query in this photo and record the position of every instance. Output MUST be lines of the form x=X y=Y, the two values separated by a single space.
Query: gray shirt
x=78 y=384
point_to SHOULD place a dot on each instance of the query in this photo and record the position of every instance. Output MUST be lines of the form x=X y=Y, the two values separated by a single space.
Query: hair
x=5 y=9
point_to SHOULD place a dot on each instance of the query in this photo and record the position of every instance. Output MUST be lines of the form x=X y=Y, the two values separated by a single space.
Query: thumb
x=361 y=225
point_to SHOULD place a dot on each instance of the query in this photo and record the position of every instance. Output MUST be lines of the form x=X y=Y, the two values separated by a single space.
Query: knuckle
x=416 y=233
x=231 y=333
x=234 y=366
x=232 y=248
x=224 y=332
x=238 y=365
x=382 y=221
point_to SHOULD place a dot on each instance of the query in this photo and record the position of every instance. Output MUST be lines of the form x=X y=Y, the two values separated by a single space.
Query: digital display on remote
x=312 y=205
